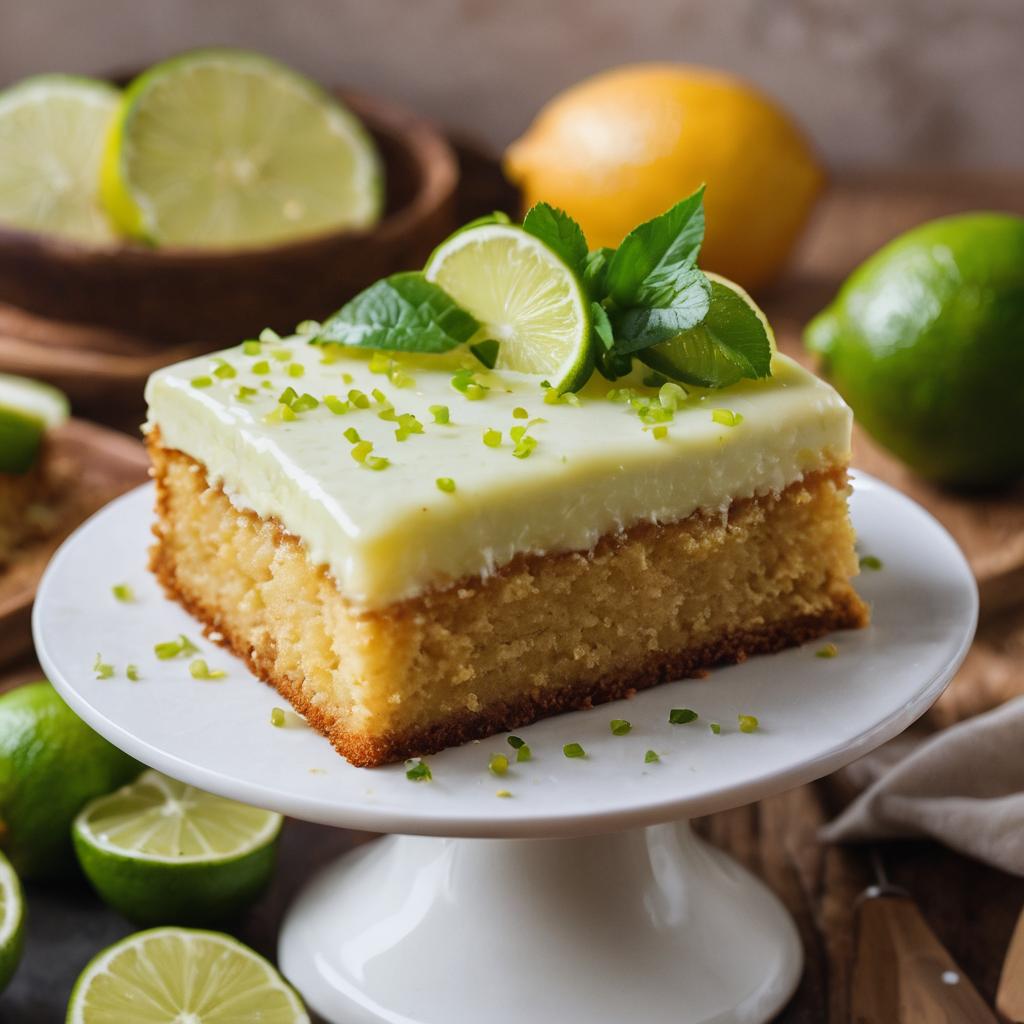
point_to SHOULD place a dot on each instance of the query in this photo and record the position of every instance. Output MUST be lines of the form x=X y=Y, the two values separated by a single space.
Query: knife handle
x=1010 y=995
x=902 y=973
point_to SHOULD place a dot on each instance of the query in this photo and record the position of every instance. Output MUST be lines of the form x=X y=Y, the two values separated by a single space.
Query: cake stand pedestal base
x=651 y=924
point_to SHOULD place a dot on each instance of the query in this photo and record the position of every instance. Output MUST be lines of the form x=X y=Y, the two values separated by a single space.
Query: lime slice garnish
x=177 y=975
x=12 y=921
x=712 y=353
x=52 y=129
x=226 y=148
x=158 y=850
x=526 y=298
x=28 y=408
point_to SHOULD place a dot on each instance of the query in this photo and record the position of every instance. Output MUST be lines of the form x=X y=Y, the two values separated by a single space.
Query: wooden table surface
x=972 y=908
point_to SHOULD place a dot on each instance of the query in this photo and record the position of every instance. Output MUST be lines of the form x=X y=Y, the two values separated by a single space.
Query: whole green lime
x=925 y=340
x=51 y=763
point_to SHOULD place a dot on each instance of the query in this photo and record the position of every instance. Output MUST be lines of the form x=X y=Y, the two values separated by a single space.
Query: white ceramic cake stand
x=583 y=896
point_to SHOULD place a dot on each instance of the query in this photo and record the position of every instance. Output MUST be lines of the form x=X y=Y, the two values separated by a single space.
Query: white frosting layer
x=390 y=534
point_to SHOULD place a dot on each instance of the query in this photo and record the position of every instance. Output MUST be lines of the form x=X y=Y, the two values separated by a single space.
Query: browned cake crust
x=426 y=648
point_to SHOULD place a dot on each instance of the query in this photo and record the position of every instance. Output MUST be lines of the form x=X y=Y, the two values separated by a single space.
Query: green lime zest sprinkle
x=224 y=370
x=465 y=383
x=347 y=378
x=362 y=453
x=504 y=793
x=296 y=370
x=726 y=417
x=132 y=672
x=308 y=328
x=281 y=413
x=282 y=355
x=517 y=433
x=659 y=433
x=358 y=399
x=619 y=726
x=380 y=362
x=492 y=438
x=498 y=764
x=441 y=414
x=828 y=651
x=446 y=484
x=682 y=716
x=305 y=403
x=251 y=348
x=336 y=405
x=244 y=393
x=524 y=753
x=552 y=397
x=520 y=413
x=198 y=669
x=715 y=728
x=380 y=398
x=352 y=435
x=269 y=334
x=524 y=447
x=671 y=396
x=101 y=668
x=621 y=396
x=261 y=367
x=266 y=384
x=277 y=717
x=201 y=382
x=173 y=648
x=573 y=750
x=871 y=562
x=407 y=426
x=417 y=770
x=651 y=757
x=748 y=723
x=123 y=592
x=515 y=742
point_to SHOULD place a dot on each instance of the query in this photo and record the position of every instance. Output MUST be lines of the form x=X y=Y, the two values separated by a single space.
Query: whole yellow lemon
x=623 y=146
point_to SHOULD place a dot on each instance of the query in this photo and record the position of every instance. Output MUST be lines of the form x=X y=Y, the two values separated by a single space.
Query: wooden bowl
x=176 y=296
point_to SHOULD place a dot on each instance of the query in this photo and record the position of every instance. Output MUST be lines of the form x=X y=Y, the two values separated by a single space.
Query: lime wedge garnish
x=220 y=148
x=28 y=408
x=714 y=354
x=12 y=921
x=52 y=129
x=171 y=975
x=160 y=851
x=527 y=299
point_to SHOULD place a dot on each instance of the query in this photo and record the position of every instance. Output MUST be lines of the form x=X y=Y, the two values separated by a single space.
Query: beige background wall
x=875 y=81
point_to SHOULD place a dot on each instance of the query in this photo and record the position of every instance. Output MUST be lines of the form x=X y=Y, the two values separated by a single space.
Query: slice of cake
x=439 y=586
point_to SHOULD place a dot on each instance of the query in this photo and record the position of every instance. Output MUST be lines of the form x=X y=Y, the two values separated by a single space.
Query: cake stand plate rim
x=463 y=802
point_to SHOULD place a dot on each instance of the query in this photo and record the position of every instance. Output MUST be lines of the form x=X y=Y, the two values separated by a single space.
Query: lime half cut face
x=226 y=149
x=178 y=975
x=525 y=297
x=52 y=129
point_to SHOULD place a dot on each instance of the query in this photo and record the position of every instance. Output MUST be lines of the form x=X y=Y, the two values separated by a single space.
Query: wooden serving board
x=91 y=465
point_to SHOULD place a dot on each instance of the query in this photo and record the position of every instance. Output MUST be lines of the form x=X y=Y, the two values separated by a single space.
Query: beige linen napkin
x=963 y=786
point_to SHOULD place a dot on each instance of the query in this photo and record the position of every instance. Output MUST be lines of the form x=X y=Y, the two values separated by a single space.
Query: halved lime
x=699 y=357
x=524 y=295
x=12 y=921
x=52 y=129
x=226 y=148
x=162 y=852
x=182 y=976
x=28 y=408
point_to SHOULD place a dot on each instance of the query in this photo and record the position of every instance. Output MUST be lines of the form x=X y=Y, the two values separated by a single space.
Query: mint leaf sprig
x=648 y=300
